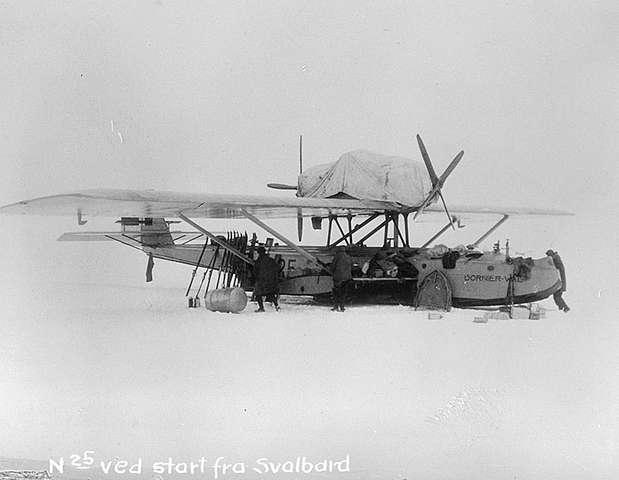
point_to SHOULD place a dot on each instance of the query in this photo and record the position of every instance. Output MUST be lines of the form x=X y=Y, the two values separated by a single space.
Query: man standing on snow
x=266 y=277
x=341 y=269
x=558 y=263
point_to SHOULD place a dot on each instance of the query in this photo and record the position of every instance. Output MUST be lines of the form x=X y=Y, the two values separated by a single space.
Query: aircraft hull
x=483 y=281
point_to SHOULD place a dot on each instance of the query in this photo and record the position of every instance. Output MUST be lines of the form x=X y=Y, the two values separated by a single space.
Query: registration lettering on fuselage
x=475 y=277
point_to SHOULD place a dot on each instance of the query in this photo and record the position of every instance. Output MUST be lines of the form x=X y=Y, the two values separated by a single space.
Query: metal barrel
x=232 y=300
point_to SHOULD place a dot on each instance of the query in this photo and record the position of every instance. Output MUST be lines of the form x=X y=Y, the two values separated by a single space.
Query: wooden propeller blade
x=444 y=176
x=300 y=224
x=450 y=168
x=426 y=159
x=447 y=211
x=300 y=154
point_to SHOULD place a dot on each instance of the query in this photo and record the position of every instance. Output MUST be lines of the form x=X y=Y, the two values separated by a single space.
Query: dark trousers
x=559 y=300
x=340 y=292
x=271 y=297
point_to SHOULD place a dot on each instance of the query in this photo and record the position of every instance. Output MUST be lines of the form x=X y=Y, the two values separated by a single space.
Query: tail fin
x=155 y=232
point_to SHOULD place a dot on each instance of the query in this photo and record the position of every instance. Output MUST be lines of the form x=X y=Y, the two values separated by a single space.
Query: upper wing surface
x=498 y=210
x=153 y=203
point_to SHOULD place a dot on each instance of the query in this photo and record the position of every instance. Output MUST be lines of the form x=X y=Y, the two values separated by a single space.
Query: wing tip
x=16 y=208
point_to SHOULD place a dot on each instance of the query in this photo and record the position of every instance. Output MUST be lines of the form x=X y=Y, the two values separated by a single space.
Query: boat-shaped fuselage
x=476 y=278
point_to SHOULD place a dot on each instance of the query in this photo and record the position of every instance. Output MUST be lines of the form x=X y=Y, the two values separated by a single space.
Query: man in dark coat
x=341 y=269
x=266 y=280
x=558 y=263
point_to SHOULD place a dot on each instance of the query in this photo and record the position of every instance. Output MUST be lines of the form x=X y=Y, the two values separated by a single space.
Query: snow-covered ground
x=92 y=358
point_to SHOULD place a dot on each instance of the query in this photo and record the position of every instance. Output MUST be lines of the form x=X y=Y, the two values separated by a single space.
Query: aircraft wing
x=498 y=210
x=153 y=203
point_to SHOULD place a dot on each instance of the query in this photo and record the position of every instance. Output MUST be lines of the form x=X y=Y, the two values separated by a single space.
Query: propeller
x=284 y=186
x=299 y=211
x=437 y=182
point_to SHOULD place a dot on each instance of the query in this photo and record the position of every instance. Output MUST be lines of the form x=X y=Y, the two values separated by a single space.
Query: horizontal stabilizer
x=132 y=236
x=88 y=236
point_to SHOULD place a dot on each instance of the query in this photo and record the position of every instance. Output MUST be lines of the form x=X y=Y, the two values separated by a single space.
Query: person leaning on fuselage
x=558 y=263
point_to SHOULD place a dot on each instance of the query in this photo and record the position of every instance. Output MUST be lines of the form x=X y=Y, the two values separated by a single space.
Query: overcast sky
x=211 y=96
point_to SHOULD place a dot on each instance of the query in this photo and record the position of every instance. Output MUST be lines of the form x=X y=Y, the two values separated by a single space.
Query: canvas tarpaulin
x=368 y=176
x=434 y=292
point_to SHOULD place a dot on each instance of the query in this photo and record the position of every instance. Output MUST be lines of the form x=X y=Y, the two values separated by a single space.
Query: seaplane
x=366 y=202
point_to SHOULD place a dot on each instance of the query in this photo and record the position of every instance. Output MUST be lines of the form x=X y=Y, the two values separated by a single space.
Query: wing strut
x=454 y=219
x=288 y=242
x=356 y=229
x=483 y=237
x=223 y=244
x=193 y=274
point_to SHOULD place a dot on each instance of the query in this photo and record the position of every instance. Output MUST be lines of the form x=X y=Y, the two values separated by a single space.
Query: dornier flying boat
x=386 y=193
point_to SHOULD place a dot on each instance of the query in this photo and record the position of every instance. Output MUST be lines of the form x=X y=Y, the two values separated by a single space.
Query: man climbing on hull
x=558 y=263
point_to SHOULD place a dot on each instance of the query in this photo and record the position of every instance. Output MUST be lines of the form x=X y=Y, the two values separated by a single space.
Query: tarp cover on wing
x=368 y=176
